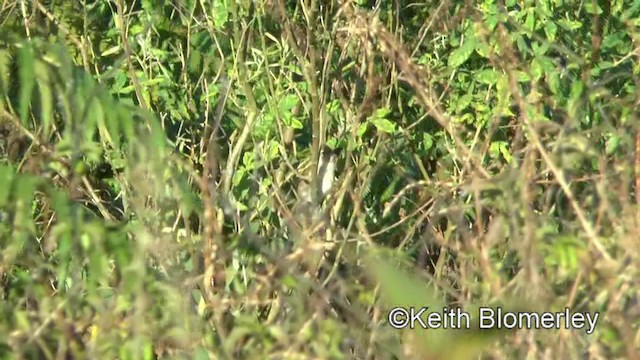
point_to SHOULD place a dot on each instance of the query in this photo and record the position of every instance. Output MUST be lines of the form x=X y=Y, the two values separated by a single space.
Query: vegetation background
x=152 y=152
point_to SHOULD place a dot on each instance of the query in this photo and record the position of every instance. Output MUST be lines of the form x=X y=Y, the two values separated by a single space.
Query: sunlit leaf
x=379 y=120
x=220 y=13
x=384 y=125
x=550 y=29
x=460 y=55
x=488 y=76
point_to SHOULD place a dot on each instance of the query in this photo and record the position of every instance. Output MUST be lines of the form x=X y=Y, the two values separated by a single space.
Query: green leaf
x=613 y=143
x=379 y=120
x=401 y=289
x=536 y=70
x=27 y=80
x=498 y=148
x=522 y=45
x=125 y=121
x=46 y=97
x=220 y=13
x=570 y=25
x=295 y=123
x=111 y=121
x=201 y=354
x=611 y=41
x=592 y=8
x=391 y=189
x=362 y=129
x=195 y=62
x=7 y=174
x=460 y=55
x=577 y=88
x=248 y=160
x=522 y=76
x=483 y=49
x=463 y=102
x=398 y=287
x=333 y=143
x=553 y=80
x=264 y=124
x=506 y=154
x=551 y=29
x=384 y=125
x=381 y=113
x=427 y=141
x=111 y=51
x=288 y=102
x=5 y=61
x=539 y=50
x=530 y=22
x=487 y=76
x=273 y=151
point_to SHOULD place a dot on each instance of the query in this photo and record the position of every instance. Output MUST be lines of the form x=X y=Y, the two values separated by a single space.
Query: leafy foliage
x=154 y=158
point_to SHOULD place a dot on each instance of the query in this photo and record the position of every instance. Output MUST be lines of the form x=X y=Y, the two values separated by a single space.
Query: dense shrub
x=158 y=161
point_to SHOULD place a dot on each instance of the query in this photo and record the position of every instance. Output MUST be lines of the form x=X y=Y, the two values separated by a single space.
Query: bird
x=309 y=207
x=326 y=172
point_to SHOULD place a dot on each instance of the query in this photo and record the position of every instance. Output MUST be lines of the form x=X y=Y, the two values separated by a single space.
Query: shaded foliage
x=155 y=155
